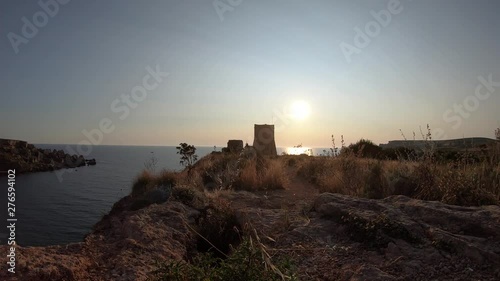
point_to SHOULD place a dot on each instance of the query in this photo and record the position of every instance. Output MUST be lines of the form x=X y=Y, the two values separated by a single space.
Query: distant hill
x=441 y=144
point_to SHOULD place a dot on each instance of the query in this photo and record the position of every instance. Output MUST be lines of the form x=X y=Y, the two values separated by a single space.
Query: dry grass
x=216 y=172
x=145 y=182
x=240 y=172
x=459 y=183
x=475 y=185
x=248 y=178
x=166 y=178
x=273 y=176
x=262 y=174
x=338 y=175
x=462 y=183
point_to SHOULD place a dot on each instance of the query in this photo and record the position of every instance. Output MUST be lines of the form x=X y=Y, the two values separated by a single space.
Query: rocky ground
x=338 y=237
x=329 y=236
x=26 y=158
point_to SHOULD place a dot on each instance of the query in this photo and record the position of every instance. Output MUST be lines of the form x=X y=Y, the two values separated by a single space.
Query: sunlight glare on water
x=299 y=150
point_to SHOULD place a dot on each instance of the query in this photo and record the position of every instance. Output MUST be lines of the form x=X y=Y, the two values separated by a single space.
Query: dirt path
x=285 y=223
x=275 y=212
x=299 y=189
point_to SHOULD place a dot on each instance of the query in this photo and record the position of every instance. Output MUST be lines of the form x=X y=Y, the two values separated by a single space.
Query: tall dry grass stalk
x=274 y=176
x=463 y=183
x=262 y=174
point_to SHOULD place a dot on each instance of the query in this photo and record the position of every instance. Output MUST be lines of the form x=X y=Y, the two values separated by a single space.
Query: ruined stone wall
x=235 y=146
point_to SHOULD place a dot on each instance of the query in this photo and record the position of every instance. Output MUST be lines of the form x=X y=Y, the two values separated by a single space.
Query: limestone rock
x=417 y=234
x=122 y=246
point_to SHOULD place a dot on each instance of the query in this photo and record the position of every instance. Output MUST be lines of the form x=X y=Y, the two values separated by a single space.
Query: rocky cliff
x=124 y=245
x=340 y=238
x=25 y=158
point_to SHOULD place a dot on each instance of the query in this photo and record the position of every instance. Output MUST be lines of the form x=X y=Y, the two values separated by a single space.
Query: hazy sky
x=234 y=63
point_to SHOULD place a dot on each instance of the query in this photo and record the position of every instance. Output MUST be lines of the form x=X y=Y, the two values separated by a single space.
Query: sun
x=299 y=110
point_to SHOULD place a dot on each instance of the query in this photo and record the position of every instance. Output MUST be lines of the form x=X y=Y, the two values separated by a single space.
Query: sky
x=203 y=72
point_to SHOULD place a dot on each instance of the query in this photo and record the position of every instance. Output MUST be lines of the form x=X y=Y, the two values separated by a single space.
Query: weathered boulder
x=418 y=234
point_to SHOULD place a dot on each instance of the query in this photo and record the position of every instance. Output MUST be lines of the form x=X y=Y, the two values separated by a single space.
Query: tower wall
x=264 y=142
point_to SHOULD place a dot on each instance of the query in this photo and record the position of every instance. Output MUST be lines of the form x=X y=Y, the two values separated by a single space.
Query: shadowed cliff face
x=124 y=245
x=25 y=158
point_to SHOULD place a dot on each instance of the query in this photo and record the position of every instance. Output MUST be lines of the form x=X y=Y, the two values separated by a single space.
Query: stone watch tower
x=263 y=141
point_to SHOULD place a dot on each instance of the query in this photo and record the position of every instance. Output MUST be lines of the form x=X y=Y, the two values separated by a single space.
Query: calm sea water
x=50 y=211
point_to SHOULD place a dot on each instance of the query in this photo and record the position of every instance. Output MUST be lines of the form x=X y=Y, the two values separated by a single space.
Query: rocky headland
x=26 y=158
x=329 y=236
x=171 y=219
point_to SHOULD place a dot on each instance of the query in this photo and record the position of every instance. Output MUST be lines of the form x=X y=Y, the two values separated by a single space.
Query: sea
x=61 y=207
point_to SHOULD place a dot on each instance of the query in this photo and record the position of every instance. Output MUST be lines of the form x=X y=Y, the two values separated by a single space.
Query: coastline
x=27 y=158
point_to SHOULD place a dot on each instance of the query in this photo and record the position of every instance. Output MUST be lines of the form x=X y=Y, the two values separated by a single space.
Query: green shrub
x=183 y=194
x=248 y=262
x=377 y=232
x=365 y=149
x=188 y=156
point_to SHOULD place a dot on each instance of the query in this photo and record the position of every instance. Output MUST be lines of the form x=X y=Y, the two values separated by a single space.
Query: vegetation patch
x=143 y=183
x=224 y=252
x=249 y=261
x=183 y=194
x=472 y=179
x=219 y=229
x=377 y=232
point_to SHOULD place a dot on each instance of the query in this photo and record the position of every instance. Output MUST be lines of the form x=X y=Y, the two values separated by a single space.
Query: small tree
x=497 y=134
x=188 y=156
